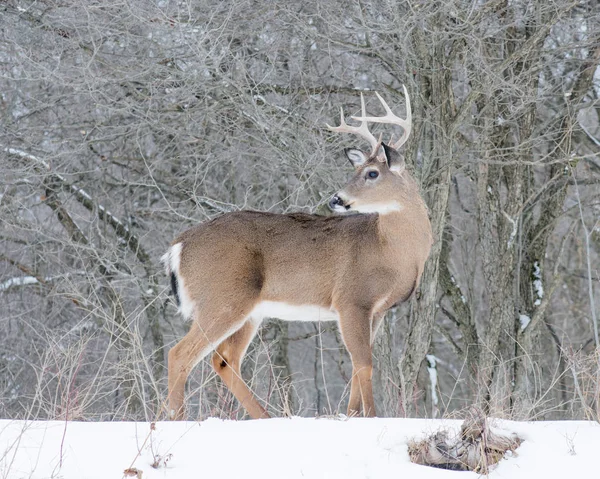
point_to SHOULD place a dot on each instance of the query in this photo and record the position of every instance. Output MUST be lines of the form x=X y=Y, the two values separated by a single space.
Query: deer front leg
x=355 y=325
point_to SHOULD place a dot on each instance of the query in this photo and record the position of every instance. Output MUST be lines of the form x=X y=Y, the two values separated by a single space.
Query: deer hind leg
x=355 y=326
x=227 y=361
x=203 y=337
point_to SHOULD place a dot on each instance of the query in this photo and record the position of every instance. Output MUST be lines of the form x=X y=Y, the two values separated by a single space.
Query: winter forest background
x=123 y=123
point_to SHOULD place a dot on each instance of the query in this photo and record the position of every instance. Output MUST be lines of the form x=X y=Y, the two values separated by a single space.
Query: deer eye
x=372 y=174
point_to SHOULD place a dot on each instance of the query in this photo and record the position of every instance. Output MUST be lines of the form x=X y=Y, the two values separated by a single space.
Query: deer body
x=232 y=272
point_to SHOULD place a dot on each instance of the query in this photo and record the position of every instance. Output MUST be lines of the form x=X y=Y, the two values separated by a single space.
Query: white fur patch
x=291 y=312
x=171 y=260
x=381 y=208
x=339 y=209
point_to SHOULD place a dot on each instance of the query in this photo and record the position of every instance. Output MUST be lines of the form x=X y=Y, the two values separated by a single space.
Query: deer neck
x=410 y=223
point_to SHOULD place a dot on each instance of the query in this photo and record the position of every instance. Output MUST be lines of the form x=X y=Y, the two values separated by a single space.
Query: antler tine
x=392 y=119
x=361 y=131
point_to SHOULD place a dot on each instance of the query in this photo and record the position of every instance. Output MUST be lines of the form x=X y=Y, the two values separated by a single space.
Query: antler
x=391 y=119
x=362 y=130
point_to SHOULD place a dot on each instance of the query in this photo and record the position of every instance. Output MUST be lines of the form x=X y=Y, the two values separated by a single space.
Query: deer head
x=379 y=182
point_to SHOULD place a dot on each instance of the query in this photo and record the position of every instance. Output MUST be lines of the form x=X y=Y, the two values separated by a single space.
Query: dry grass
x=476 y=448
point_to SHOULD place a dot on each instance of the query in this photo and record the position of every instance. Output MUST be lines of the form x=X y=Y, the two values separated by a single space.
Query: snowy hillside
x=277 y=448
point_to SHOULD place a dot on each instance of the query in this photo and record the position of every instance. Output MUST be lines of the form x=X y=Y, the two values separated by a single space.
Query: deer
x=230 y=273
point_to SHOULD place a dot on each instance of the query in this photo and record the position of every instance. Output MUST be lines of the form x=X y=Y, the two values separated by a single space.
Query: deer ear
x=356 y=157
x=395 y=160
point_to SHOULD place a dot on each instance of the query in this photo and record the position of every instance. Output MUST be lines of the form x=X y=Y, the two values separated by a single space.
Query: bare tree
x=123 y=124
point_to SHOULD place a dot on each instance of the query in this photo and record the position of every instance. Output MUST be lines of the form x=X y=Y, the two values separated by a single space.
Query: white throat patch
x=381 y=208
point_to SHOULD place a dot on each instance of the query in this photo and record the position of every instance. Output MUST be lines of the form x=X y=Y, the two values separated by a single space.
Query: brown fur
x=356 y=265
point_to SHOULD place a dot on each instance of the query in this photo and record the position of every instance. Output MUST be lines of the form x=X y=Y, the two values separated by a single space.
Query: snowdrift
x=278 y=448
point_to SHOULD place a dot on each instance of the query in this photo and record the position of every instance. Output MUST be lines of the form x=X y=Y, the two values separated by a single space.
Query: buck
x=230 y=273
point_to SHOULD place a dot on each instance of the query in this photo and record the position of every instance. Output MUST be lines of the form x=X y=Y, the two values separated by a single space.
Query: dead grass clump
x=476 y=448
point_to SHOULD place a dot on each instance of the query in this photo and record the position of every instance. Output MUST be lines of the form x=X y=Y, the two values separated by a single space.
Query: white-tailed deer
x=230 y=273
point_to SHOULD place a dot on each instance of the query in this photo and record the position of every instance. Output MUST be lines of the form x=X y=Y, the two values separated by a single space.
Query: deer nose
x=335 y=201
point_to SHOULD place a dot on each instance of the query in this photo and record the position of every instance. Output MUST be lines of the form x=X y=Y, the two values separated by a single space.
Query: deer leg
x=227 y=361
x=355 y=401
x=355 y=326
x=193 y=347
x=377 y=321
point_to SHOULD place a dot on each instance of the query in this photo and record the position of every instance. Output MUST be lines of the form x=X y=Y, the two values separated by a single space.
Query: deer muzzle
x=336 y=203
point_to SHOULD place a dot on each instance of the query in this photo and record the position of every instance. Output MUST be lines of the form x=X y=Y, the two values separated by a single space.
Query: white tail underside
x=171 y=261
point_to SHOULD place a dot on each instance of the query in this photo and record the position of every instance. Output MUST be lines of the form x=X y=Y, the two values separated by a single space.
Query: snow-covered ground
x=278 y=448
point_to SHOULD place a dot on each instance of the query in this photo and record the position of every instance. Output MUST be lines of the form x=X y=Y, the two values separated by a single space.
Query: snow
x=537 y=283
x=513 y=233
x=524 y=320
x=433 y=379
x=27 y=156
x=277 y=448
x=18 y=281
x=82 y=192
